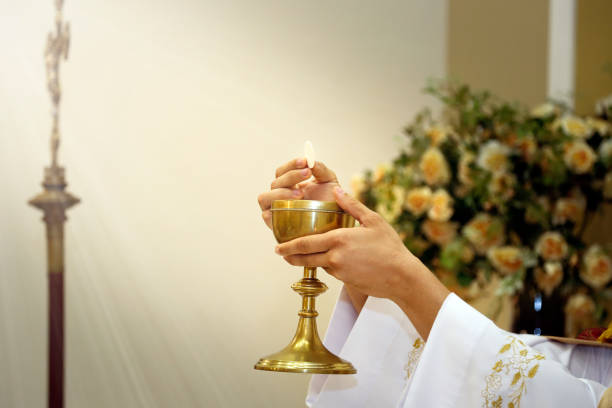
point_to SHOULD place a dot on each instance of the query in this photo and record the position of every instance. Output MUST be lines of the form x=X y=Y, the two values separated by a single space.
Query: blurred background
x=174 y=117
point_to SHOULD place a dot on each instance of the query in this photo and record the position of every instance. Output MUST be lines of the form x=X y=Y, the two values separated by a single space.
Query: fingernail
x=339 y=190
x=305 y=172
x=300 y=163
x=277 y=249
x=297 y=193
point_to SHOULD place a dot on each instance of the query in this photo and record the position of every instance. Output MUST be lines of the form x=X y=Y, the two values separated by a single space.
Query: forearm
x=419 y=294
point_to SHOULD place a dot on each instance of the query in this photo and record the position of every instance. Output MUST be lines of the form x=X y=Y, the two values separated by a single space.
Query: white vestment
x=467 y=361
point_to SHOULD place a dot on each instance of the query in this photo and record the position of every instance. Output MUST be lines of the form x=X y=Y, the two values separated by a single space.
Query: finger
x=265 y=199
x=309 y=244
x=298 y=163
x=291 y=178
x=267 y=217
x=311 y=261
x=322 y=174
x=363 y=214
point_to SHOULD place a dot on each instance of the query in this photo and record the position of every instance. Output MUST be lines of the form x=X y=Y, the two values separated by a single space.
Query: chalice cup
x=306 y=353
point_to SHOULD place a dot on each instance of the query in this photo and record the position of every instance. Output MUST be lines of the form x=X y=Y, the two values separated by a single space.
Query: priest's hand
x=373 y=260
x=291 y=183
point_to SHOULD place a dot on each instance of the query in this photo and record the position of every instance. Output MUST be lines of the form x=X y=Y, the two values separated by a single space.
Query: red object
x=591 y=334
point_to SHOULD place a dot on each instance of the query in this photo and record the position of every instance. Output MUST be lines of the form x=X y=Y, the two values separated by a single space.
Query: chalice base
x=305 y=354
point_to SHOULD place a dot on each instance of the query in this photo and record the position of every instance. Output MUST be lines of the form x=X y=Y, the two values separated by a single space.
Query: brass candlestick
x=306 y=353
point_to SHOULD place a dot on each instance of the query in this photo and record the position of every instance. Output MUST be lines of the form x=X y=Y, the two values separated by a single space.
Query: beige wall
x=593 y=53
x=175 y=115
x=501 y=46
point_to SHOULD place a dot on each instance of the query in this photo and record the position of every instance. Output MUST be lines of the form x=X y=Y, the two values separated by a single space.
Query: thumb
x=354 y=207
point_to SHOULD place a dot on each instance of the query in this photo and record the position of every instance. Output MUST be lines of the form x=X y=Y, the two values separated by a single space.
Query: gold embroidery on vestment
x=414 y=356
x=516 y=361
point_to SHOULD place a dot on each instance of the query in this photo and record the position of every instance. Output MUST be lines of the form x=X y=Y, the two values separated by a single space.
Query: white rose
x=493 y=156
x=597 y=268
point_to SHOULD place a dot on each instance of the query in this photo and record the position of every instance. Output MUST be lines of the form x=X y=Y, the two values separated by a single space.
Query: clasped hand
x=370 y=259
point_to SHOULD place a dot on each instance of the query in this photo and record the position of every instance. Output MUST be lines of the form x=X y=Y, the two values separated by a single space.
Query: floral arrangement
x=491 y=188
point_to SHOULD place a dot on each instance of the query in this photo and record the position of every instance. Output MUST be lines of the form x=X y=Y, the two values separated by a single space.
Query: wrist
x=419 y=294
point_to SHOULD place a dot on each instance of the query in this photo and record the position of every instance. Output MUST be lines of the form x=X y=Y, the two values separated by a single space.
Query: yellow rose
x=391 y=203
x=441 y=206
x=574 y=126
x=418 y=200
x=464 y=172
x=438 y=134
x=579 y=157
x=484 y=232
x=549 y=277
x=493 y=156
x=506 y=259
x=434 y=167
x=551 y=246
x=381 y=170
x=439 y=232
x=597 y=268
x=579 y=314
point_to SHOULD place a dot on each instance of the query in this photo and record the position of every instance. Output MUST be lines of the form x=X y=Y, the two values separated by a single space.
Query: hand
x=370 y=258
x=291 y=184
x=373 y=260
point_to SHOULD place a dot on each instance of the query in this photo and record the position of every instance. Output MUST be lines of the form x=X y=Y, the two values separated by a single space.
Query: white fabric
x=454 y=367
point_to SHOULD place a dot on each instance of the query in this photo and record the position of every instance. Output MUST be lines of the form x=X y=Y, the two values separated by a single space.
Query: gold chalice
x=306 y=353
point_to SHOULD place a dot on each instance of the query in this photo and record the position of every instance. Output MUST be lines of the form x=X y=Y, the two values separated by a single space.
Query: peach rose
x=597 y=268
x=569 y=209
x=484 y=232
x=575 y=126
x=493 y=156
x=439 y=232
x=434 y=167
x=579 y=314
x=551 y=246
x=579 y=157
x=506 y=259
x=441 y=206
x=418 y=200
x=549 y=277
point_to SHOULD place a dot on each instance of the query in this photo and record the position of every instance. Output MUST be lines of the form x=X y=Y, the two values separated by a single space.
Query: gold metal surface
x=306 y=353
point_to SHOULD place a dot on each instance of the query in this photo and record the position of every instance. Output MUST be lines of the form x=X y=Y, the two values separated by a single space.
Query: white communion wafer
x=309 y=153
